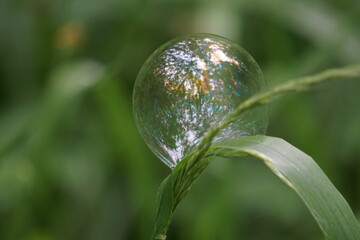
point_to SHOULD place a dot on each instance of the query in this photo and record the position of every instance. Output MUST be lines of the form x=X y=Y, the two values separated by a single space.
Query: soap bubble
x=191 y=84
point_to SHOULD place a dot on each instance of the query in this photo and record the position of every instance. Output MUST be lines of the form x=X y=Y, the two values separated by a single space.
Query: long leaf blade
x=304 y=176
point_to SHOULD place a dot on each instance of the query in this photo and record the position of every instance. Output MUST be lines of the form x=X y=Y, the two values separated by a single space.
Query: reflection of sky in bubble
x=189 y=85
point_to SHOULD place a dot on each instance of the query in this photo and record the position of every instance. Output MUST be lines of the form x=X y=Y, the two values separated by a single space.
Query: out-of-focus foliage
x=72 y=165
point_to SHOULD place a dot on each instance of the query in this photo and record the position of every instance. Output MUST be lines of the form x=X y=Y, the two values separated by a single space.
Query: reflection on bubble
x=190 y=84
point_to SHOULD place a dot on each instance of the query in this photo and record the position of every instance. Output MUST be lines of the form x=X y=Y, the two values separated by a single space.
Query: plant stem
x=190 y=167
x=160 y=237
x=294 y=85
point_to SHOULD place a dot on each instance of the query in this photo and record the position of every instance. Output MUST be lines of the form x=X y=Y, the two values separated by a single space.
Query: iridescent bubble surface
x=190 y=84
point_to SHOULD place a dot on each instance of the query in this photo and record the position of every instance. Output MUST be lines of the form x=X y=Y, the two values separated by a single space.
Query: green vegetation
x=293 y=167
x=72 y=165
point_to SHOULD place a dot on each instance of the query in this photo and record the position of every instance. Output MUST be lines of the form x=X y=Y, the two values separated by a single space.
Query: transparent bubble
x=190 y=84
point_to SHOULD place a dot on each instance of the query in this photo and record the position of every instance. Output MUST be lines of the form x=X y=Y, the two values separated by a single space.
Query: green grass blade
x=300 y=172
x=164 y=208
x=295 y=168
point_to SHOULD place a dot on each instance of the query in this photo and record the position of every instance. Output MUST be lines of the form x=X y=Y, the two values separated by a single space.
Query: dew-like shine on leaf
x=190 y=84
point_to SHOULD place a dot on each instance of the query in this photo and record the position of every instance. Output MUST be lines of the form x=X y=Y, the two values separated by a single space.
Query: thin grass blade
x=301 y=173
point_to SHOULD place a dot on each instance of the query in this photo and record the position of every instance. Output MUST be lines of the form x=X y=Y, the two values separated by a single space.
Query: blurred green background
x=72 y=165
